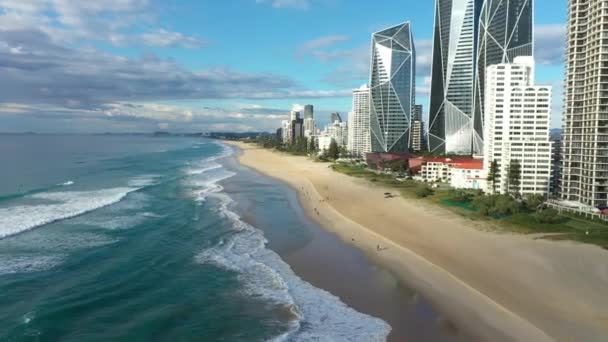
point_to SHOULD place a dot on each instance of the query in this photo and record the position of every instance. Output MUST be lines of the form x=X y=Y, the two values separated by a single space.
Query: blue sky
x=191 y=65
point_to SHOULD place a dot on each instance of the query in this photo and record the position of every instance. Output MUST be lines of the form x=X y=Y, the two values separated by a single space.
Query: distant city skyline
x=150 y=66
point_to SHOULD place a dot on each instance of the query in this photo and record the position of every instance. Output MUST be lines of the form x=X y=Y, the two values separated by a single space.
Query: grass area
x=406 y=187
x=568 y=227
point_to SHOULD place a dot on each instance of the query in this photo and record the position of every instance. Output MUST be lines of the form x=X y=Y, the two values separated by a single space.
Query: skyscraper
x=309 y=121
x=506 y=31
x=392 y=88
x=585 y=133
x=308 y=112
x=453 y=75
x=335 y=116
x=359 y=141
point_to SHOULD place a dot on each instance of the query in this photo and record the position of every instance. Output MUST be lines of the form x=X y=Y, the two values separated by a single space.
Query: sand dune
x=499 y=286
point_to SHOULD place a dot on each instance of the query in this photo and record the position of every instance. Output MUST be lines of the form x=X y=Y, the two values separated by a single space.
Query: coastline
x=321 y=258
x=497 y=286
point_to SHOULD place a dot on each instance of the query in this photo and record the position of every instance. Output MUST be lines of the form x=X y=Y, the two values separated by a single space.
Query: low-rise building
x=468 y=175
x=459 y=172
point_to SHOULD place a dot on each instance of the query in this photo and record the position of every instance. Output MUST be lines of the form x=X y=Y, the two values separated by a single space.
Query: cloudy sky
x=192 y=65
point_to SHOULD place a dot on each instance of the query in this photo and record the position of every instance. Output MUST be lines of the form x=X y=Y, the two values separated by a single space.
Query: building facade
x=417 y=131
x=585 y=123
x=392 y=88
x=517 y=117
x=556 y=163
x=453 y=75
x=359 y=140
x=506 y=31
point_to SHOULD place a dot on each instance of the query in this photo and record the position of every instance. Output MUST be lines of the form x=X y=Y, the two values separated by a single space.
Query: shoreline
x=496 y=286
x=323 y=259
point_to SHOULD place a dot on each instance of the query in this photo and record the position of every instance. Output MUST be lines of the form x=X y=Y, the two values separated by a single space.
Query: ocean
x=141 y=238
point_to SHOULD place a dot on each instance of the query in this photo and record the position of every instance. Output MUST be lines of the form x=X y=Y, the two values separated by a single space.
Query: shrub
x=496 y=205
x=423 y=191
x=533 y=202
x=548 y=215
x=506 y=205
x=459 y=196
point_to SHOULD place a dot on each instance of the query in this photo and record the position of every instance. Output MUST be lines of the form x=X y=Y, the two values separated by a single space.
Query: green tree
x=334 y=151
x=493 y=176
x=312 y=146
x=514 y=177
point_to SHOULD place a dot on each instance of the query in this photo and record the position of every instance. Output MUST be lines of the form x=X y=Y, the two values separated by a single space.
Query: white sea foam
x=319 y=315
x=68 y=183
x=62 y=205
x=116 y=222
x=29 y=263
x=143 y=181
x=55 y=241
x=203 y=168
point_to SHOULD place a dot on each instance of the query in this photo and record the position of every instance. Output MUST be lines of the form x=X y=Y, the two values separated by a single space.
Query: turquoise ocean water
x=133 y=238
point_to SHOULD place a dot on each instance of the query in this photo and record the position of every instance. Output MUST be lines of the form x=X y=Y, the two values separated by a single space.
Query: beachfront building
x=517 y=117
x=441 y=169
x=468 y=175
x=285 y=131
x=506 y=31
x=556 y=163
x=417 y=134
x=453 y=75
x=359 y=141
x=392 y=88
x=584 y=177
x=310 y=126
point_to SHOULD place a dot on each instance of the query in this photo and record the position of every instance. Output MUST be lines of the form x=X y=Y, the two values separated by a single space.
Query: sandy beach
x=500 y=287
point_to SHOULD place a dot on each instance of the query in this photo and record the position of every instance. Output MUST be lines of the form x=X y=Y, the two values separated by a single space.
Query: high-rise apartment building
x=359 y=141
x=417 y=134
x=392 y=88
x=517 y=117
x=285 y=131
x=506 y=31
x=585 y=122
x=453 y=75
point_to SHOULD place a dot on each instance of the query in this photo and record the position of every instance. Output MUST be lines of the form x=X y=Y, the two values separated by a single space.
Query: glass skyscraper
x=453 y=75
x=469 y=36
x=506 y=31
x=392 y=88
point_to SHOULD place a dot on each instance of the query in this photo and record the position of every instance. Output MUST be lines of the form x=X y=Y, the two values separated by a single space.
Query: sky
x=74 y=66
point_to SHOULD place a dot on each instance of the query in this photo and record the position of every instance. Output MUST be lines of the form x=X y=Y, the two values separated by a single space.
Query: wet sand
x=324 y=260
x=499 y=287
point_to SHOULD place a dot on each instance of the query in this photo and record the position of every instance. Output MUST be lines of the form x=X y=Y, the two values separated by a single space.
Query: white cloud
x=550 y=44
x=164 y=38
x=69 y=21
x=296 y=4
